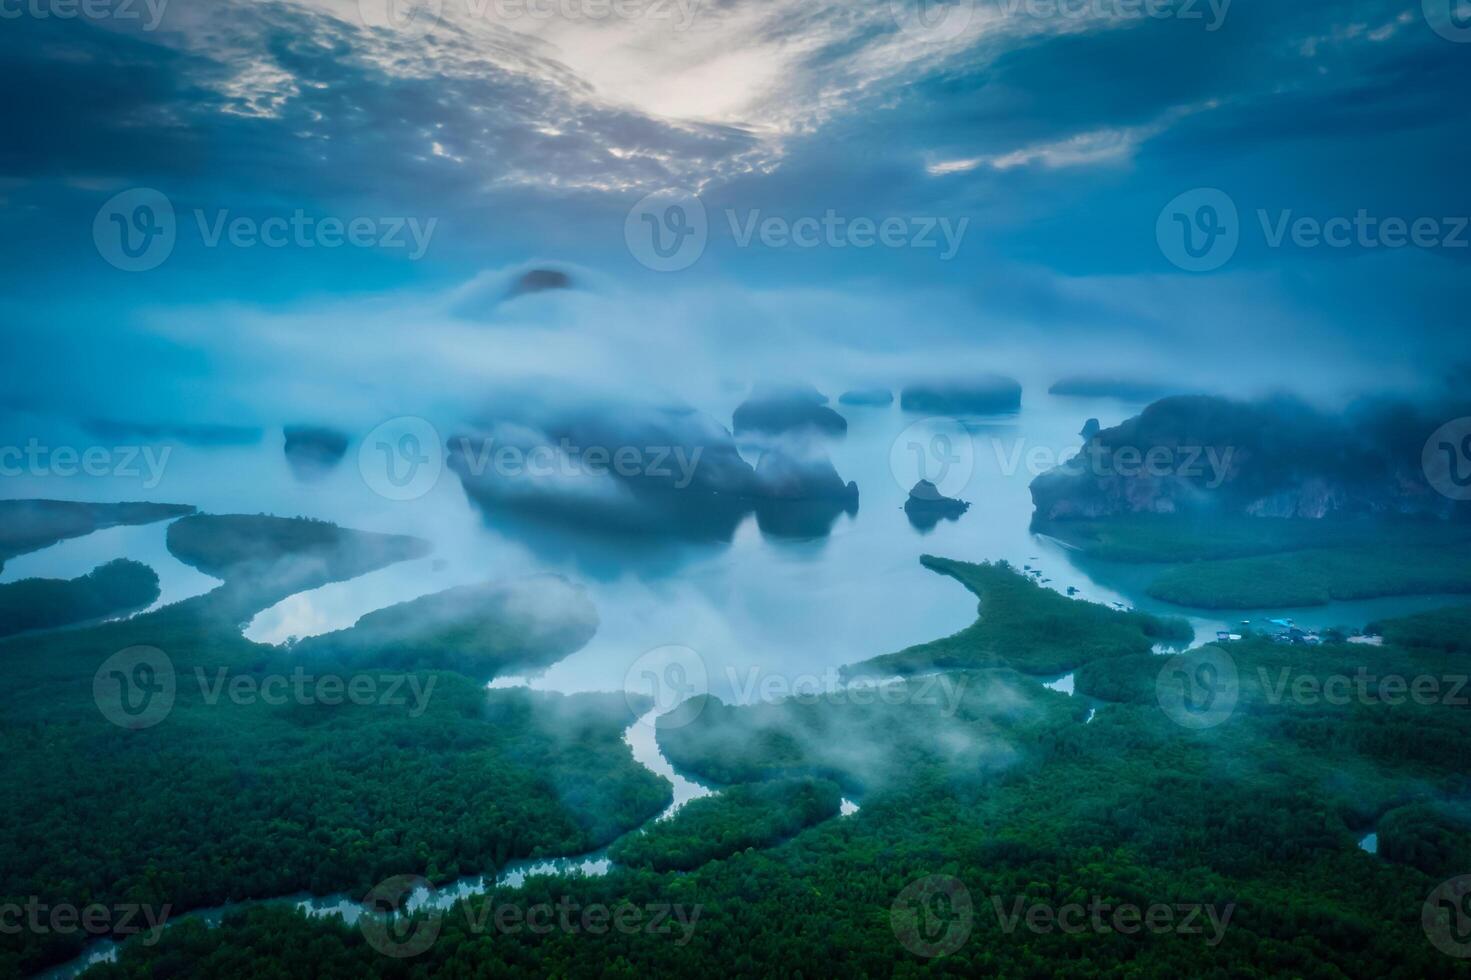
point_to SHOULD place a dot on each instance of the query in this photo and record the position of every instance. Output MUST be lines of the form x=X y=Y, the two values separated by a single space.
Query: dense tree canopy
x=42 y=603
x=970 y=772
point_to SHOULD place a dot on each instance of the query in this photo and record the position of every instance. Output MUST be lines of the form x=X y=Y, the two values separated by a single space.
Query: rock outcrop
x=539 y=281
x=780 y=410
x=782 y=476
x=988 y=394
x=1274 y=458
x=313 y=450
x=649 y=472
x=927 y=507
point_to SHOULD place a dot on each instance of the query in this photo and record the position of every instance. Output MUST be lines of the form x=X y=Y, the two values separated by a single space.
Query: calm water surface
x=752 y=608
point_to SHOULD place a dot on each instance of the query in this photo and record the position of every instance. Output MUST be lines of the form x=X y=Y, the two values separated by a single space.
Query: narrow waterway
x=640 y=738
x=144 y=543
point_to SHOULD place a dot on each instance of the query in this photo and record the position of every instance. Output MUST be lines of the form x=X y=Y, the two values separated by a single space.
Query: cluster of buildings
x=1280 y=630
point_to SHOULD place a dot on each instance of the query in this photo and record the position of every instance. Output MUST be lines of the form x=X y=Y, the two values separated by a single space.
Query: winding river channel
x=640 y=738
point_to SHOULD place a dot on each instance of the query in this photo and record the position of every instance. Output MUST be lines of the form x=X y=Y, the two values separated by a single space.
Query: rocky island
x=927 y=507
x=987 y=394
x=782 y=409
x=313 y=450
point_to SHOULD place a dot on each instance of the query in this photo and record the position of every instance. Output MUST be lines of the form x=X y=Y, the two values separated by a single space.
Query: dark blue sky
x=1049 y=136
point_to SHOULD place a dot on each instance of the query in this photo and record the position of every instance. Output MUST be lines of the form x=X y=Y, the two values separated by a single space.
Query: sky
x=253 y=212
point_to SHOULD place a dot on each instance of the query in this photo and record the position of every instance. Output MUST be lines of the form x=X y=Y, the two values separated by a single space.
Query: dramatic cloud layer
x=1025 y=148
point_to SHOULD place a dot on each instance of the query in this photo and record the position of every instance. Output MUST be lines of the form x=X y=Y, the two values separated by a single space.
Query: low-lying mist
x=455 y=352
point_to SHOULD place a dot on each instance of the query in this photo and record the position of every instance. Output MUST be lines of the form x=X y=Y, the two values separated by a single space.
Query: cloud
x=1100 y=146
x=1058 y=139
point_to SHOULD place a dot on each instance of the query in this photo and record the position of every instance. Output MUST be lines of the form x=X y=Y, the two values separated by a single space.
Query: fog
x=455 y=354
